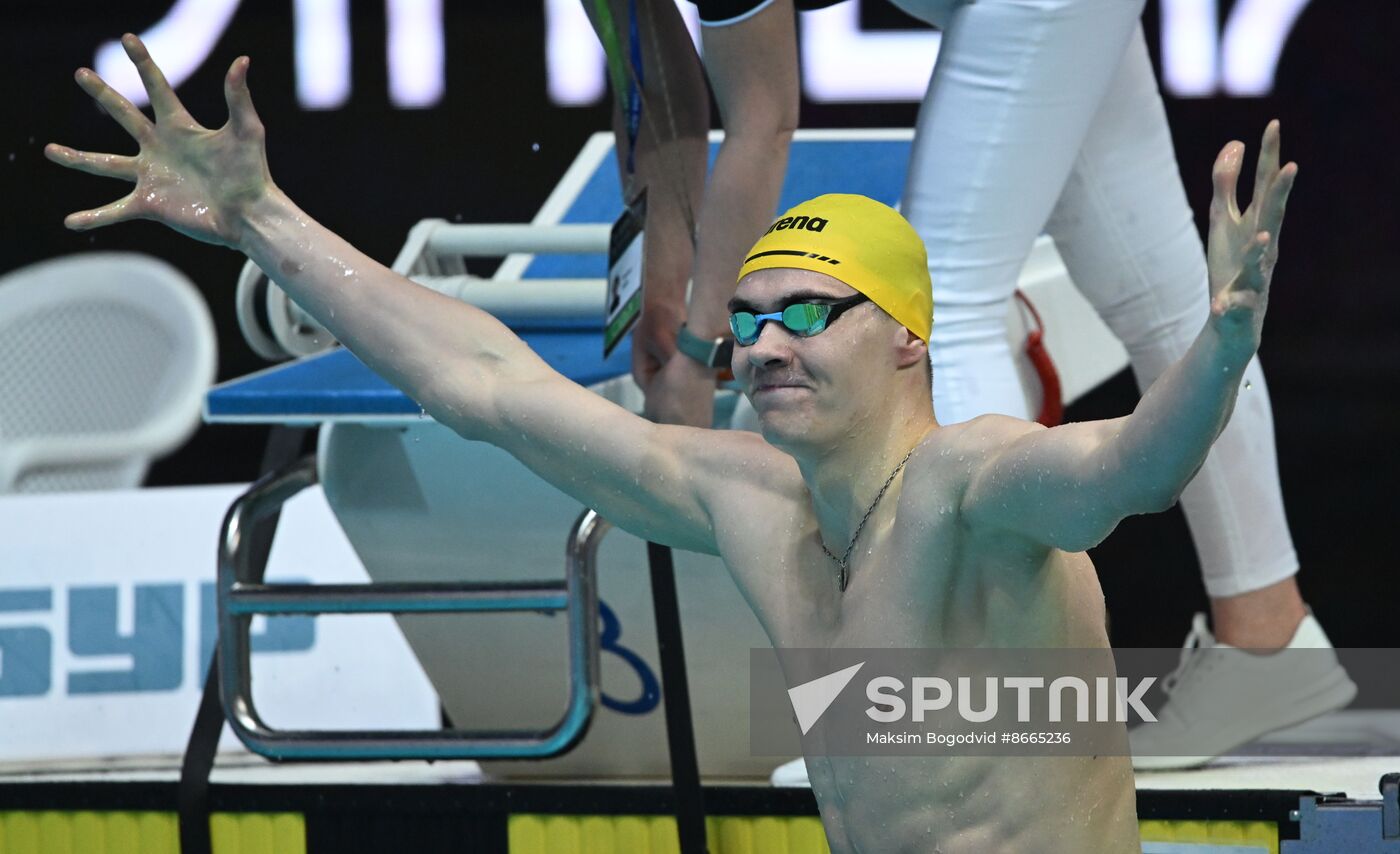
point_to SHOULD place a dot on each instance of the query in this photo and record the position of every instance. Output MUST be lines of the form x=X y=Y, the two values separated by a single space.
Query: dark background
x=370 y=171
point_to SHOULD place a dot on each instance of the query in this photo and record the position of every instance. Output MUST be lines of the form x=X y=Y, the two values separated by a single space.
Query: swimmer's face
x=808 y=391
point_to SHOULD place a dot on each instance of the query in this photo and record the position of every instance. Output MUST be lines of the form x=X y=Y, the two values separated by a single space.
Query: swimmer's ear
x=912 y=348
x=241 y=115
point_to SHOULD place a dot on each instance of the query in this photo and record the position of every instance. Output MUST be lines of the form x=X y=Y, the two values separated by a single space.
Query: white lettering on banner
x=840 y=61
x=108 y=615
x=1253 y=42
x=1197 y=61
x=1190 y=47
x=573 y=57
x=417 y=52
x=183 y=39
x=321 y=41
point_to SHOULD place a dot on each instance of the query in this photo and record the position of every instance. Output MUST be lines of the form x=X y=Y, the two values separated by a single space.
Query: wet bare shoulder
x=948 y=457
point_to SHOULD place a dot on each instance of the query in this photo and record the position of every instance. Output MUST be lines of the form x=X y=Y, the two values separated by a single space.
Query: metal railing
x=241 y=596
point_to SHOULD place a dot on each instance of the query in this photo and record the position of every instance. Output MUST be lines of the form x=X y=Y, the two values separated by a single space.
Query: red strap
x=1052 y=407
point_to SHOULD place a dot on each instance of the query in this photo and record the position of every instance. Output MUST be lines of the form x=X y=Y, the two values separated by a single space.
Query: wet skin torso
x=922 y=578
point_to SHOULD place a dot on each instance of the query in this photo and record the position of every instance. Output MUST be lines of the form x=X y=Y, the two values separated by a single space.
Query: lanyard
x=627 y=86
x=625 y=74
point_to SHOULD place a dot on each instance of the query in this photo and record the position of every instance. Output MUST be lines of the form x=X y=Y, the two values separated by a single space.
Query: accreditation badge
x=624 y=303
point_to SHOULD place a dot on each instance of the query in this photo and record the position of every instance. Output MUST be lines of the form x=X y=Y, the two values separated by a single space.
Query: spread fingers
x=106 y=165
x=132 y=120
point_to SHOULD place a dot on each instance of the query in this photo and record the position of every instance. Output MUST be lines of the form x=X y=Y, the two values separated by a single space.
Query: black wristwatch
x=710 y=352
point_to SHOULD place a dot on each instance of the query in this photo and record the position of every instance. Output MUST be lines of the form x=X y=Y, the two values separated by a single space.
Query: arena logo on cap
x=808 y=223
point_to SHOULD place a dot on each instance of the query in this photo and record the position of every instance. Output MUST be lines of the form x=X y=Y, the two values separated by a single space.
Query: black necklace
x=844 y=562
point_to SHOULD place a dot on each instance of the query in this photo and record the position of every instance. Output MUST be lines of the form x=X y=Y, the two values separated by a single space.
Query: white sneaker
x=1220 y=697
x=791 y=775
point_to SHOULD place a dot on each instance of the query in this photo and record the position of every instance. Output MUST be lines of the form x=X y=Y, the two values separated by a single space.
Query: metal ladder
x=242 y=595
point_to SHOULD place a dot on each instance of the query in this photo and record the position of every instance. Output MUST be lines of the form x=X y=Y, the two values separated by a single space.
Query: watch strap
x=710 y=352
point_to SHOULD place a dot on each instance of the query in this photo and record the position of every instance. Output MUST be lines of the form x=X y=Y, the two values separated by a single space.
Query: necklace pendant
x=843 y=564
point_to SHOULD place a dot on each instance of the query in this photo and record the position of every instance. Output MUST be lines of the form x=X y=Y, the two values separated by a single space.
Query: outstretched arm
x=460 y=363
x=1069 y=486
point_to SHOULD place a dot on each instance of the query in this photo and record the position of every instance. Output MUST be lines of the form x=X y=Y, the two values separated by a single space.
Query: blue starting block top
x=336 y=386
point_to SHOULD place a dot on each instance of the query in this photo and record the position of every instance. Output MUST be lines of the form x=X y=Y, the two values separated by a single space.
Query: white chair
x=104 y=362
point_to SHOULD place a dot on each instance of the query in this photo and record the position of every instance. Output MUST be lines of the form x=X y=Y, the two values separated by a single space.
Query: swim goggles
x=803 y=319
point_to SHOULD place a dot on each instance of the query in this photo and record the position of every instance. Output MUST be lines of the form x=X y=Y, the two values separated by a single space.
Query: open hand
x=195 y=180
x=1242 y=248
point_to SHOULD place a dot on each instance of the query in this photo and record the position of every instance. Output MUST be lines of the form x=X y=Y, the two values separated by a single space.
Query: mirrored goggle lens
x=744 y=325
x=805 y=318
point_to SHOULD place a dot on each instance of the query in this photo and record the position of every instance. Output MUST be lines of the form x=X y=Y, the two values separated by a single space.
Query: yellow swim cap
x=865 y=244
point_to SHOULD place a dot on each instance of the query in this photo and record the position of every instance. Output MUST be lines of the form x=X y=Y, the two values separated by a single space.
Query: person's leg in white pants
x=1021 y=118
x=1011 y=99
x=1126 y=234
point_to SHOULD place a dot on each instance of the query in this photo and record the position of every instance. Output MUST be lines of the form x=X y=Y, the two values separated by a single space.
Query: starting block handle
x=242 y=596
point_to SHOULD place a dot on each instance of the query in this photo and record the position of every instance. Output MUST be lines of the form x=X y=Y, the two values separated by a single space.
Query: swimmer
x=853 y=503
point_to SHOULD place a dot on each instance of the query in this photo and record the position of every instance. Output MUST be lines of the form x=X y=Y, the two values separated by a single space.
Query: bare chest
x=915 y=581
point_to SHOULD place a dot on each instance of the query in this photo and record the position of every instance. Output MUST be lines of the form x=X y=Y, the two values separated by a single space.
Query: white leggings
x=1045 y=114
